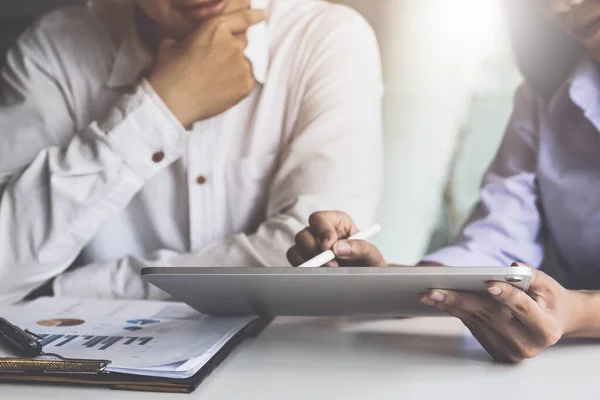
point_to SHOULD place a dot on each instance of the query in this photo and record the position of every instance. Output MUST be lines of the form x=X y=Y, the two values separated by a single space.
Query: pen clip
x=25 y=342
x=33 y=335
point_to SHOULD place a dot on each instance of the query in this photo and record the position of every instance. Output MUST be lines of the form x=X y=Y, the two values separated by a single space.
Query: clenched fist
x=207 y=73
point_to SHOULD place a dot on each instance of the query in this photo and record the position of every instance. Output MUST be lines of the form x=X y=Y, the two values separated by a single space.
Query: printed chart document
x=163 y=339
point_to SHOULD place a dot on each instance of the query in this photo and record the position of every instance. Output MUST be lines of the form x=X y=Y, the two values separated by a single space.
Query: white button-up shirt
x=98 y=179
x=544 y=183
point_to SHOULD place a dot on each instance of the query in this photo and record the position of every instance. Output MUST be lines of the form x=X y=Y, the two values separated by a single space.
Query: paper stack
x=162 y=339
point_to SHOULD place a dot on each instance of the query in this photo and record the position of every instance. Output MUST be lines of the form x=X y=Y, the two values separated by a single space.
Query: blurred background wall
x=15 y=15
x=449 y=79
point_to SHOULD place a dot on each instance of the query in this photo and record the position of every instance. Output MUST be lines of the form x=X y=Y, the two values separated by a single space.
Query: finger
x=487 y=310
x=222 y=28
x=242 y=39
x=429 y=264
x=331 y=226
x=240 y=21
x=359 y=252
x=307 y=245
x=453 y=311
x=250 y=69
x=294 y=257
x=236 y=5
x=491 y=341
x=526 y=310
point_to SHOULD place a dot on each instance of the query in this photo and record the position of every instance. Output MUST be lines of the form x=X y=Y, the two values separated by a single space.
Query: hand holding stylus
x=332 y=240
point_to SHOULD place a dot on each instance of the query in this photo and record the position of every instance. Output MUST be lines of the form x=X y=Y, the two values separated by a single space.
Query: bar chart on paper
x=159 y=338
x=131 y=334
x=106 y=337
x=102 y=340
x=97 y=342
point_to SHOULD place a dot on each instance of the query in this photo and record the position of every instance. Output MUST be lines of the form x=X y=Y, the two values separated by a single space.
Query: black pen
x=26 y=343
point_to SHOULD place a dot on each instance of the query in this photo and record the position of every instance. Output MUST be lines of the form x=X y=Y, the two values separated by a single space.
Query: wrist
x=164 y=92
x=584 y=315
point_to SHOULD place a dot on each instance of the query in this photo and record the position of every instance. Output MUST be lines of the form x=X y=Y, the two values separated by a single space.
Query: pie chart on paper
x=61 y=322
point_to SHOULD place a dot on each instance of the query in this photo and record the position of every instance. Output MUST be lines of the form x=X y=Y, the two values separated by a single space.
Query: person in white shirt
x=180 y=133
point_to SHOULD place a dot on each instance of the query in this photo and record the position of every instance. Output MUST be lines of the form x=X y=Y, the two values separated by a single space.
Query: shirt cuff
x=120 y=279
x=144 y=131
x=457 y=256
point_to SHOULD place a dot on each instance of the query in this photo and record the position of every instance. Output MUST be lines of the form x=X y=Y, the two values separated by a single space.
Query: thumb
x=359 y=251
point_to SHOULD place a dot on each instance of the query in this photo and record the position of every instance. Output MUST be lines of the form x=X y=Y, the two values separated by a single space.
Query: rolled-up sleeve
x=59 y=186
x=507 y=223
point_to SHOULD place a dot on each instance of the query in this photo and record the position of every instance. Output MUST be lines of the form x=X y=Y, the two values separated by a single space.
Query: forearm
x=52 y=208
x=122 y=278
x=50 y=211
x=115 y=279
x=266 y=247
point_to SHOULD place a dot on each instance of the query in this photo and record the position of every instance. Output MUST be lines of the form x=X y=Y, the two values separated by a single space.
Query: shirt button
x=201 y=180
x=158 y=157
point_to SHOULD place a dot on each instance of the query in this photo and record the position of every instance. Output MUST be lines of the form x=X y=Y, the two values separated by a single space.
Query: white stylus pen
x=328 y=255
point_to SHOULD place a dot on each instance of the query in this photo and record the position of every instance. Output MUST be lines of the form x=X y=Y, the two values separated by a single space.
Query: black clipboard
x=92 y=373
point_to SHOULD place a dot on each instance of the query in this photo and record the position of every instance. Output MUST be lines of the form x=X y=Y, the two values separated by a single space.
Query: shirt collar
x=133 y=58
x=585 y=87
x=582 y=89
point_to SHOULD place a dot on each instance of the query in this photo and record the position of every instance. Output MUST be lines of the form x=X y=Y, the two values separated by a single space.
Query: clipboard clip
x=52 y=364
x=35 y=360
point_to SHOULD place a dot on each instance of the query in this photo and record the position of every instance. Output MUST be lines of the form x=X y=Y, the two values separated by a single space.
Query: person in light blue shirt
x=544 y=184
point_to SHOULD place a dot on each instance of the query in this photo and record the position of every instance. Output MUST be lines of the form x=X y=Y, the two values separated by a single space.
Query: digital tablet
x=356 y=291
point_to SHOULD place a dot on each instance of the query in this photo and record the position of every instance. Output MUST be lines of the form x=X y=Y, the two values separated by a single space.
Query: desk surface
x=429 y=358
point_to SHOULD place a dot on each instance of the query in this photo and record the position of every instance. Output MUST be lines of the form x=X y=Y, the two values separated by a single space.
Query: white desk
x=397 y=360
